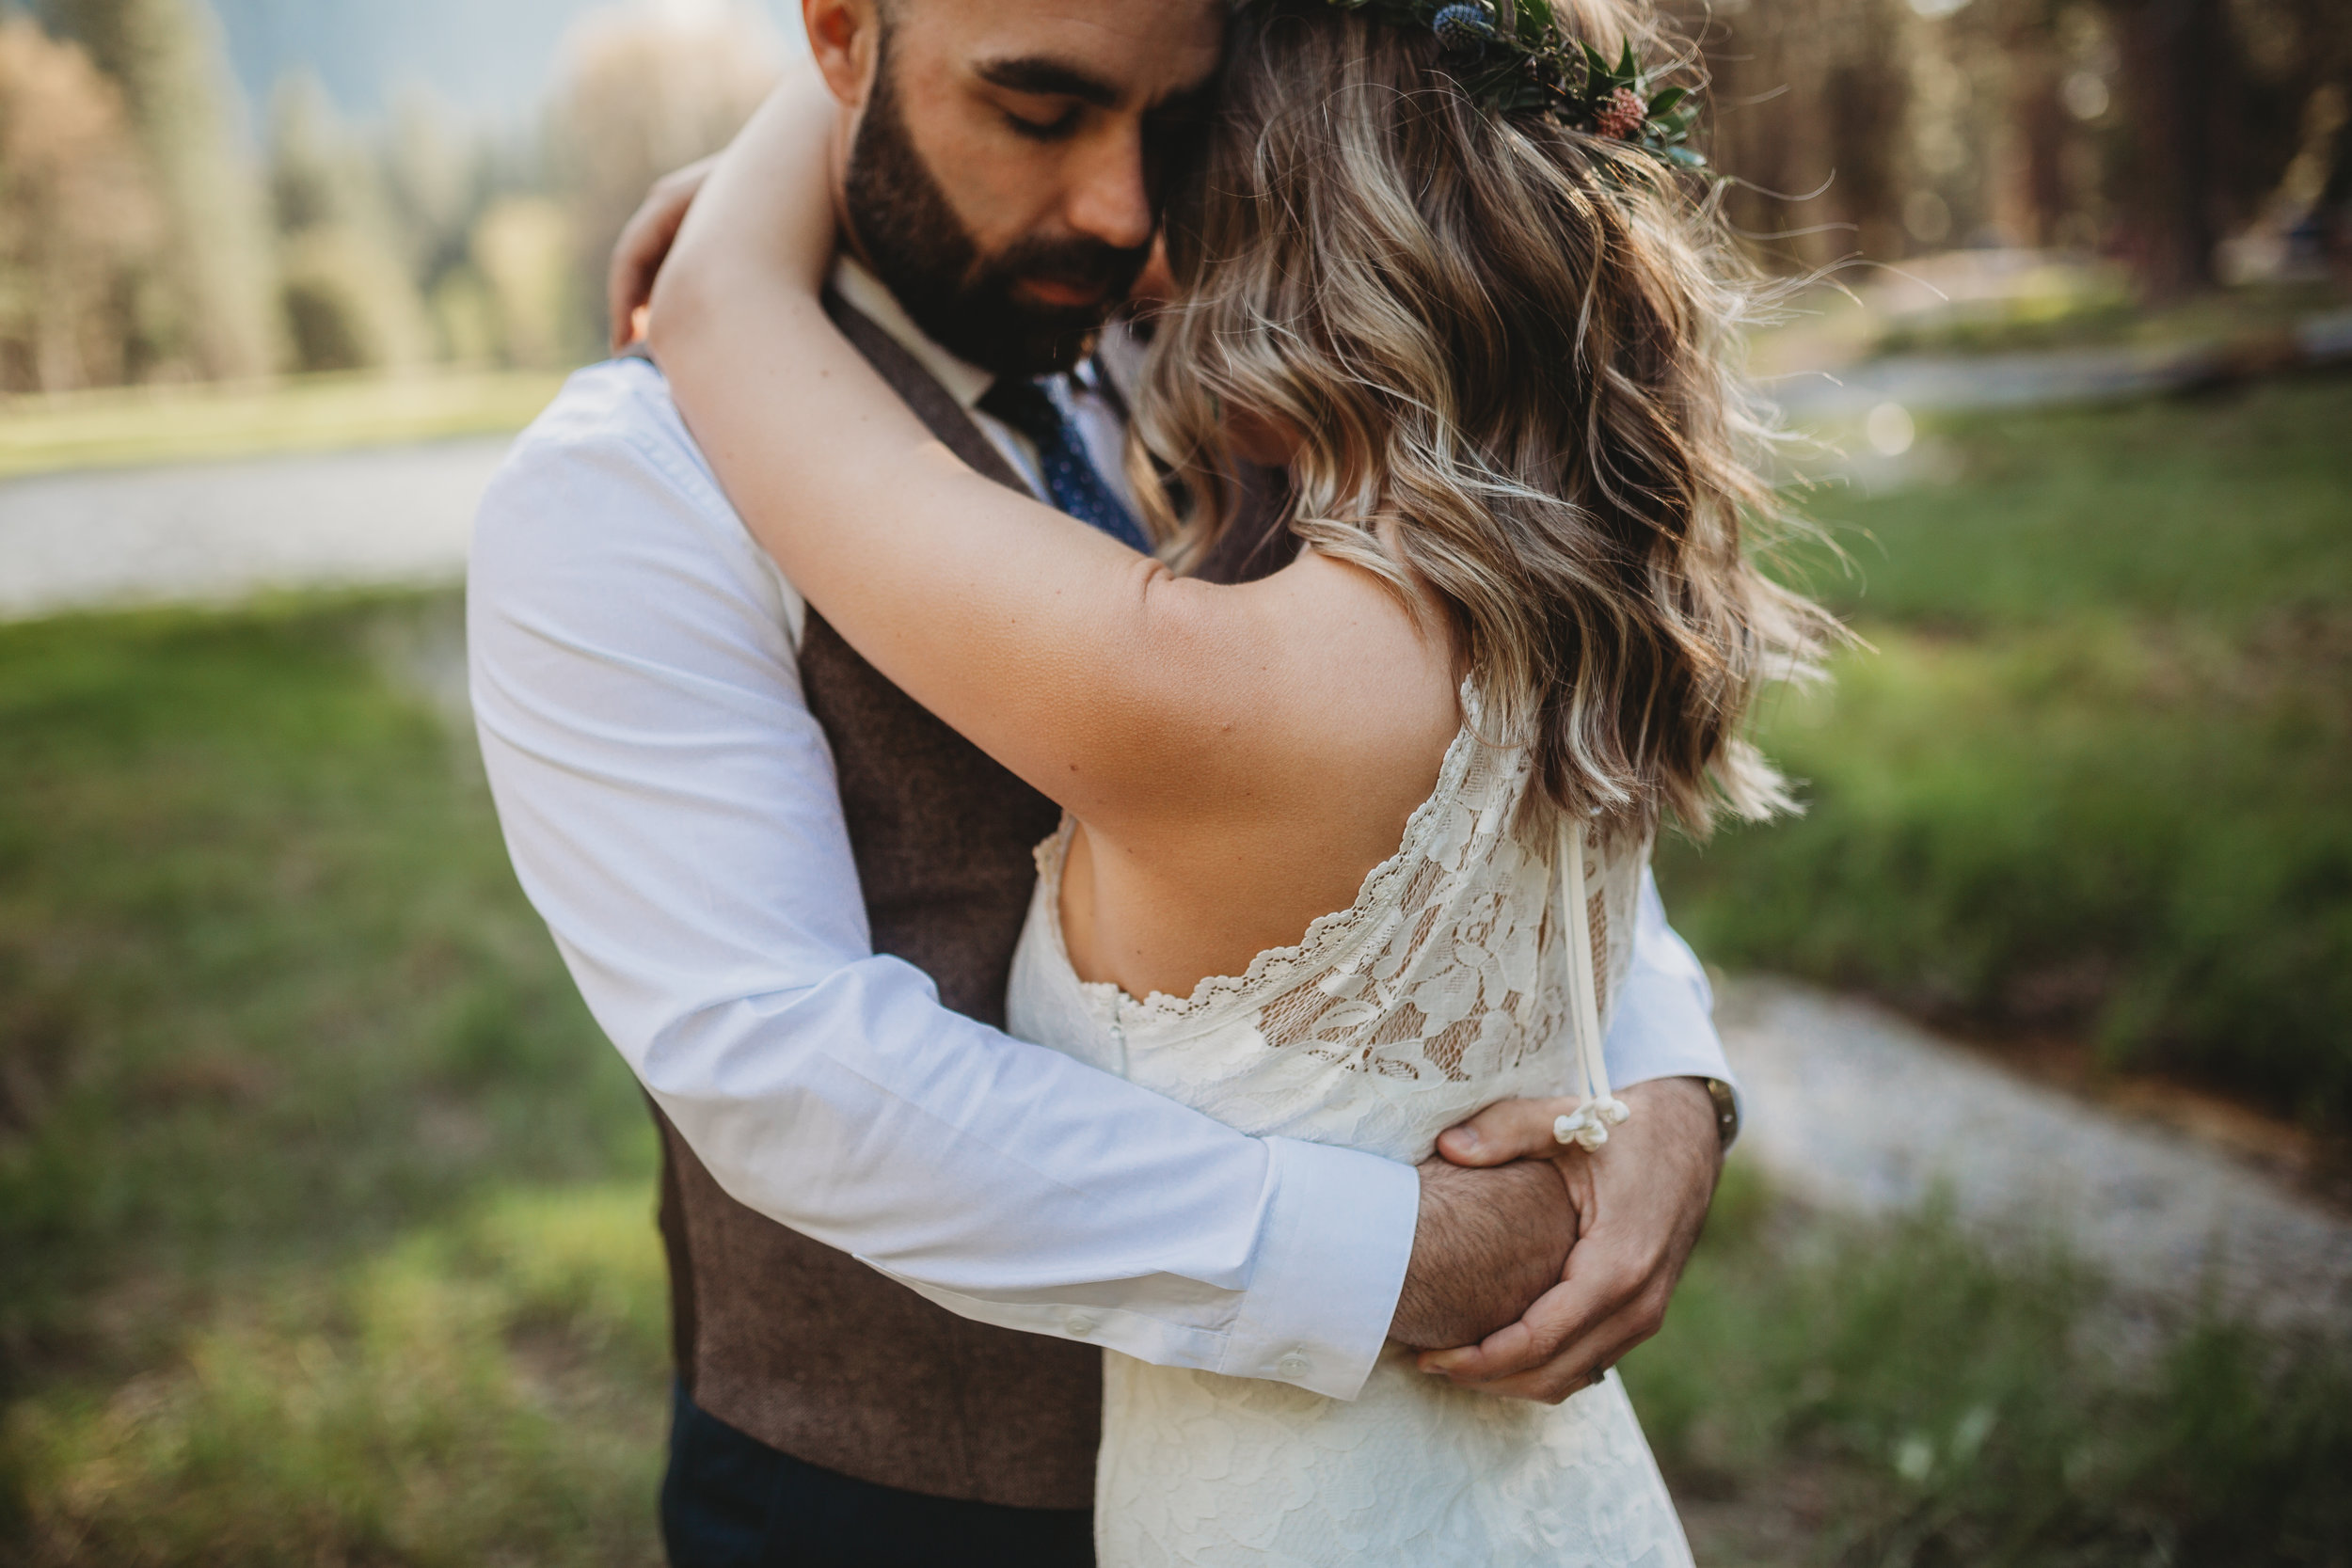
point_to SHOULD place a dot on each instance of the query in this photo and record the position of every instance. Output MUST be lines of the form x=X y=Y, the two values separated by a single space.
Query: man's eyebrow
x=1186 y=104
x=1048 y=77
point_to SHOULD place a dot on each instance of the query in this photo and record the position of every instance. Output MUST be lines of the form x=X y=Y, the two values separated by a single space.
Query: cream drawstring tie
x=1589 y=1123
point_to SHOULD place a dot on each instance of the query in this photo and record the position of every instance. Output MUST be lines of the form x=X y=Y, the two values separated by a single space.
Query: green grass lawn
x=1885 y=1394
x=325 y=1212
x=2095 y=773
x=326 y=1215
x=120 y=426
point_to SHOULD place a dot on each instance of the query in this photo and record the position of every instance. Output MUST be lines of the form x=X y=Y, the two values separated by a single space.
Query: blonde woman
x=1352 y=851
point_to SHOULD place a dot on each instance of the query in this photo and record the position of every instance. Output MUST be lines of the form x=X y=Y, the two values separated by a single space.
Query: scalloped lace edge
x=1212 y=989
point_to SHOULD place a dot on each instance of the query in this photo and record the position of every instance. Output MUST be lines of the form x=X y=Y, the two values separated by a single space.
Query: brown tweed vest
x=805 y=1348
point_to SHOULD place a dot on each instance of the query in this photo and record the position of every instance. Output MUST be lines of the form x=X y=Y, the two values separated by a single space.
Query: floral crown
x=1511 y=57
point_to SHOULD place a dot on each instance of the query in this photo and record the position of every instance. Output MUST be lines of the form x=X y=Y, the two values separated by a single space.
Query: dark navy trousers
x=729 y=1501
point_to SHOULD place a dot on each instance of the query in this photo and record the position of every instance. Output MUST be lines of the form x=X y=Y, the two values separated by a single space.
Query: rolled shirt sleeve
x=1665 y=1023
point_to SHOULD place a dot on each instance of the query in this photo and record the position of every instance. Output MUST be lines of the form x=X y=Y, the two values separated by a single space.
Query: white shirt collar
x=965 y=382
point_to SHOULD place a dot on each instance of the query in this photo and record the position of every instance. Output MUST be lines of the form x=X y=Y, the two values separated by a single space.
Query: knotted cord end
x=1588 y=1125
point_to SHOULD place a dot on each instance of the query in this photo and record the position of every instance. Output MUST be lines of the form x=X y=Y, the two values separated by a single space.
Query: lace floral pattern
x=1442 y=988
x=1202 y=1469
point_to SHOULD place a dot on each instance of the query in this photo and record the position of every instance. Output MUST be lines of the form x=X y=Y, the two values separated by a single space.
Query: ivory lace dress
x=1446 y=987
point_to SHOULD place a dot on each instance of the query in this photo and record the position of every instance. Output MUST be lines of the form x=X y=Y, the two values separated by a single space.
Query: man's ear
x=846 y=38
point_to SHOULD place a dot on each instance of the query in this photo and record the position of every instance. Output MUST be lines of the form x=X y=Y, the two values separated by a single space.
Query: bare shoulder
x=1339 y=683
x=1362 y=662
x=1301 y=721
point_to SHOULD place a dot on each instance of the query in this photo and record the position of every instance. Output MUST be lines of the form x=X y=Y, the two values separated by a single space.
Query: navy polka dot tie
x=1071 y=481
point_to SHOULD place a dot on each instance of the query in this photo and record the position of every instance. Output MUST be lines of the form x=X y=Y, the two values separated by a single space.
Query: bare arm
x=643 y=244
x=1127 y=695
x=1489 y=1245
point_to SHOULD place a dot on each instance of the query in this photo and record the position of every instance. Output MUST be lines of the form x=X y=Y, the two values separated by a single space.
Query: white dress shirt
x=672 y=812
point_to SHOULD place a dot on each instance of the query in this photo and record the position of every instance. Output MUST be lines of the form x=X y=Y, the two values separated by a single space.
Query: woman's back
x=1448 y=983
x=1359 y=705
x=1443 y=983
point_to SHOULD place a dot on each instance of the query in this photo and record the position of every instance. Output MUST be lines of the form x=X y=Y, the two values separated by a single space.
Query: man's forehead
x=1138 y=51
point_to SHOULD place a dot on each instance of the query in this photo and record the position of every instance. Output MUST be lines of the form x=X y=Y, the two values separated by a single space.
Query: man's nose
x=1111 y=200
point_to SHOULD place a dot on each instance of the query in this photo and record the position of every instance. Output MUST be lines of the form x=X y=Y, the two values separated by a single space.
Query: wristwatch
x=1726 y=1109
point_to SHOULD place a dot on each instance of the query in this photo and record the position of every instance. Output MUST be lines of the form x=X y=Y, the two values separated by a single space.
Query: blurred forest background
x=324 y=1210
x=162 y=225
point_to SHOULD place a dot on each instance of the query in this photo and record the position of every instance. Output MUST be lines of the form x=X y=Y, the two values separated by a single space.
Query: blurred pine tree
x=351 y=300
x=80 y=225
x=642 y=91
x=166 y=54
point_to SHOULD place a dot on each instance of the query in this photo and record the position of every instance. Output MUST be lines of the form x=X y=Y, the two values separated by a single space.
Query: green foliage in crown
x=1512 y=56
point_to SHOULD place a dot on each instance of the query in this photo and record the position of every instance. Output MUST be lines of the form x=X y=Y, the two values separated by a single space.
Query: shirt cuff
x=1666 y=1029
x=1331 y=1265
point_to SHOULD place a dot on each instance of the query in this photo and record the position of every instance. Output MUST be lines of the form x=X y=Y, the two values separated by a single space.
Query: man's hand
x=1640 y=1202
x=644 y=245
x=1488 y=1246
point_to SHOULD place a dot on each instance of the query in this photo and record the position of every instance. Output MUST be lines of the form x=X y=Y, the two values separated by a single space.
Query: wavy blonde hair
x=1508 y=353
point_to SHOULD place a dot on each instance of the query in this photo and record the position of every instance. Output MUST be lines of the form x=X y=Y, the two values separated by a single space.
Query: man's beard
x=962 y=300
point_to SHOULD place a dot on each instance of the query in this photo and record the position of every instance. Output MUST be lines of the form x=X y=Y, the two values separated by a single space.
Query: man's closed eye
x=1057 y=129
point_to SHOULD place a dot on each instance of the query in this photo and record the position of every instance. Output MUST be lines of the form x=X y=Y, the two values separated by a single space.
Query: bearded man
x=900 y=1240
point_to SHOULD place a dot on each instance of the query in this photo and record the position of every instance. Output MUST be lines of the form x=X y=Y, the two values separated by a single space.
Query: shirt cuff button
x=1080 y=1324
x=1292 y=1366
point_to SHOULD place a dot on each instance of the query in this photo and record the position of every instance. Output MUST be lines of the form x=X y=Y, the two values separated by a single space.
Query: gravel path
x=211 y=532
x=1954 y=382
x=1990 y=380
x=214 y=532
x=1853 y=1108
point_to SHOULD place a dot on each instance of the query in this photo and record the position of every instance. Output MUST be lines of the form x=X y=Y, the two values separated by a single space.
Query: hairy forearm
x=1488 y=1244
x=1639 y=1202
